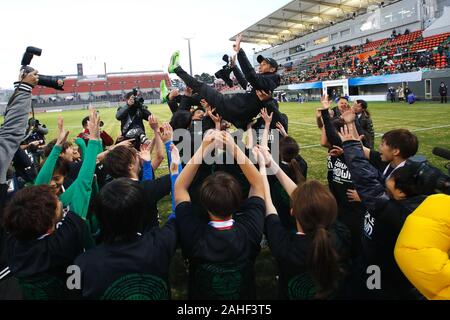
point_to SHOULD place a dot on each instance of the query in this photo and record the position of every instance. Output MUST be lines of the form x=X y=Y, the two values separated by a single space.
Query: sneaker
x=164 y=91
x=174 y=61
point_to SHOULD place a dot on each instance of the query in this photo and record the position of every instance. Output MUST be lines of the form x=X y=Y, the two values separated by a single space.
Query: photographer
x=12 y=133
x=131 y=117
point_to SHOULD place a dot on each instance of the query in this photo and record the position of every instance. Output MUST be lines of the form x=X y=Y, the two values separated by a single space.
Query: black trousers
x=238 y=109
x=211 y=95
x=443 y=99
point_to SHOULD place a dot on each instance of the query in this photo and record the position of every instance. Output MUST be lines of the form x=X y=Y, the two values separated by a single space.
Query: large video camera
x=138 y=99
x=225 y=72
x=46 y=81
x=429 y=179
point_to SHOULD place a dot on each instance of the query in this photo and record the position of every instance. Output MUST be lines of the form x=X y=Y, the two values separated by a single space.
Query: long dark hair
x=315 y=208
x=289 y=150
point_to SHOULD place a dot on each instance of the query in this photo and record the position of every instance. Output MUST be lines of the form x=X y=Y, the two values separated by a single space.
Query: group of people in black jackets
x=227 y=200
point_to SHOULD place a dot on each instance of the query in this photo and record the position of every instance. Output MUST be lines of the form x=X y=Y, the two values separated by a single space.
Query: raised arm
x=287 y=183
x=259 y=82
x=145 y=155
x=247 y=167
x=238 y=73
x=270 y=208
x=267 y=121
x=366 y=178
x=190 y=170
x=331 y=134
x=157 y=143
x=78 y=194
x=46 y=173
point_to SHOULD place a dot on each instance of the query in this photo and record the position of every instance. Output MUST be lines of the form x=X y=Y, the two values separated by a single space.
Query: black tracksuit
x=443 y=92
x=241 y=108
x=383 y=222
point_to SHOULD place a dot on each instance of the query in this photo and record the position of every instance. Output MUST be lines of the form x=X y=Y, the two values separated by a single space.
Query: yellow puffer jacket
x=422 y=249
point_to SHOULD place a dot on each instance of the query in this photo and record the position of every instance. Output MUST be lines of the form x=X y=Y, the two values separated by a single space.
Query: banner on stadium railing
x=304 y=86
x=389 y=78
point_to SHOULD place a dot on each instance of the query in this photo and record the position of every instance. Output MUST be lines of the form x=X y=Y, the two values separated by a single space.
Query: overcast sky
x=129 y=35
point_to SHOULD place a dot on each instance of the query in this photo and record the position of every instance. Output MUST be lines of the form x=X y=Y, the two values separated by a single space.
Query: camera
x=225 y=72
x=138 y=100
x=138 y=135
x=46 y=81
x=429 y=179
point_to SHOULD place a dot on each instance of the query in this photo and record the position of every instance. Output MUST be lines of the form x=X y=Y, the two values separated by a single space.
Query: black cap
x=270 y=61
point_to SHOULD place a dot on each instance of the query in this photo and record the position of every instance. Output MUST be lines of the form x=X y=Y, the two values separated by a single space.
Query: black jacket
x=383 y=222
x=443 y=90
x=241 y=108
x=183 y=102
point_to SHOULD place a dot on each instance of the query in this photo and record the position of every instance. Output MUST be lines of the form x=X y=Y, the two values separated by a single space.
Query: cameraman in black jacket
x=241 y=108
x=131 y=118
x=387 y=207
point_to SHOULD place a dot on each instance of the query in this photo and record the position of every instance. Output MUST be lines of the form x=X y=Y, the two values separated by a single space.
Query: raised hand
x=265 y=152
x=166 y=132
x=153 y=122
x=349 y=116
x=266 y=117
x=176 y=160
x=62 y=134
x=336 y=151
x=233 y=61
x=326 y=104
x=145 y=151
x=217 y=119
x=347 y=133
x=173 y=94
x=281 y=129
x=263 y=96
x=94 y=125
x=237 y=44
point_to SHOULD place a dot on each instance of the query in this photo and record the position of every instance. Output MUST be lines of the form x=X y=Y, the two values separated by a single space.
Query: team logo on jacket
x=369 y=224
x=341 y=174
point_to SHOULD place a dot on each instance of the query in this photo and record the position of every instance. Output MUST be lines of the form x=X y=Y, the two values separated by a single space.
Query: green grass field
x=429 y=121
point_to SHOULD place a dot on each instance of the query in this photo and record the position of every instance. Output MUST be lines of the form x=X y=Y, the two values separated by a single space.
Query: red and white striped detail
x=222 y=225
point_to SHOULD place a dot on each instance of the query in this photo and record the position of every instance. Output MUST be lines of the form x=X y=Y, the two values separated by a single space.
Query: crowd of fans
x=343 y=62
x=97 y=208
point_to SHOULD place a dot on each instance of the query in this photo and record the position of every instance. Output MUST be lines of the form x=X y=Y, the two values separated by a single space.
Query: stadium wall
x=374 y=91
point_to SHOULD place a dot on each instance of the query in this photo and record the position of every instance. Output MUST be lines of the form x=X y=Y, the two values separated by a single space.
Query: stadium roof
x=300 y=17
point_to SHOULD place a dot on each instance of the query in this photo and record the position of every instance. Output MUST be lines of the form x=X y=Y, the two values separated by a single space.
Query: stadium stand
x=403 y=53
